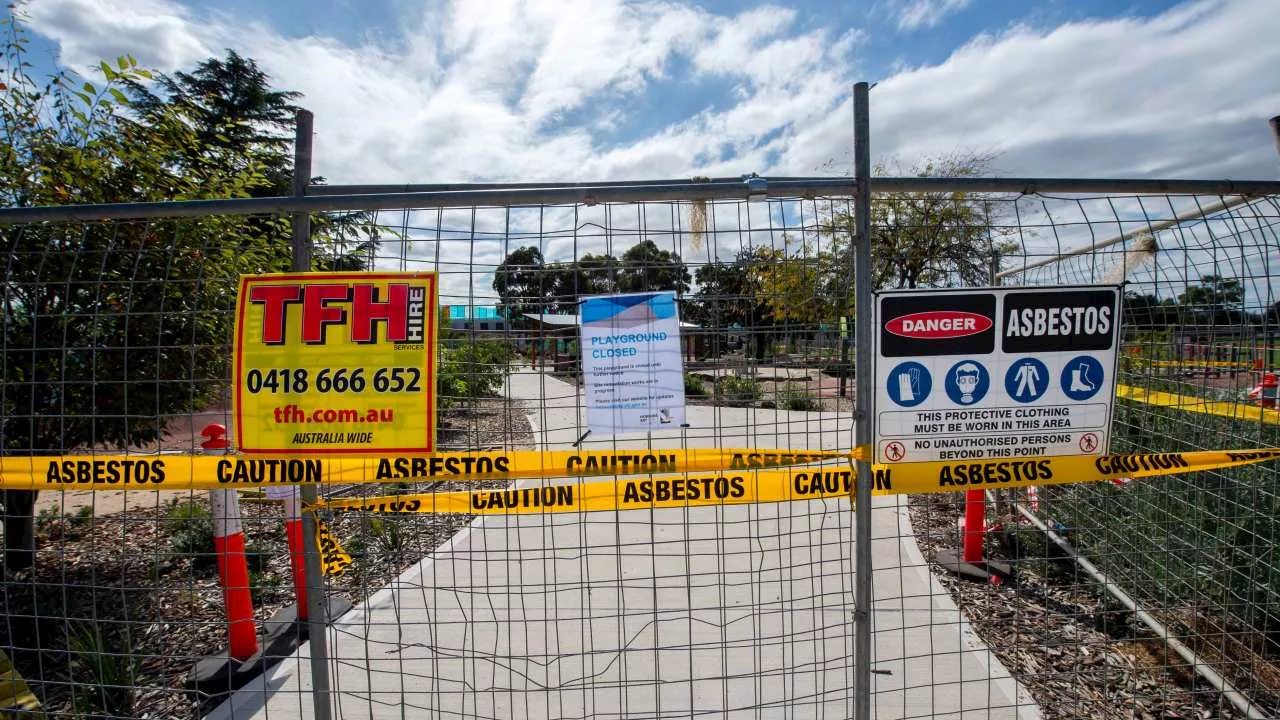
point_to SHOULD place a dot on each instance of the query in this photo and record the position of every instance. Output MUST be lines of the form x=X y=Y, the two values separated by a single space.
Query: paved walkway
x=733 y=611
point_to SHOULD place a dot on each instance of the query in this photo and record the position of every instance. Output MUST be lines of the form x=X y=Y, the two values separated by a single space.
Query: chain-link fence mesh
x=120 y=332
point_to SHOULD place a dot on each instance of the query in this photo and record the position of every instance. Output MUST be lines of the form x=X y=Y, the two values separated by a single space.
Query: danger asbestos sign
x=995 y=373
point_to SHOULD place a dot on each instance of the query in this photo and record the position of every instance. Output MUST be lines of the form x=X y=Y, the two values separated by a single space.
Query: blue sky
x=454 y=90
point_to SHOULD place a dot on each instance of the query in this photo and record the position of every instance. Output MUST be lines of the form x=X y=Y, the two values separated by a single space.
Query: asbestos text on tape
x=785 y=485
x=187 y=472
x=693 y=490
x=958 y=476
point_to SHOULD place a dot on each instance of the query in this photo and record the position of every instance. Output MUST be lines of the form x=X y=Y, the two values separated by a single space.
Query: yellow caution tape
x=761 y=486
x=1237 y=364
x=765 y=486
x=209 y=472
x=14 y=692
x=333 y=558
x=1236 y=411
x=959 y=476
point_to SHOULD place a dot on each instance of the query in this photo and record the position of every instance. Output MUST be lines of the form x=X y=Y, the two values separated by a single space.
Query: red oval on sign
x=938 y=324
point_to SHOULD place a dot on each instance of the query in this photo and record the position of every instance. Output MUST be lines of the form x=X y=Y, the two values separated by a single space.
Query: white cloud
x=538 y=89
x=157 y=32
x=916 y=14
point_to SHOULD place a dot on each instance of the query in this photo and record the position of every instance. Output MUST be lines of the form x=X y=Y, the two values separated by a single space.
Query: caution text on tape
x=783 y=485
x=182 y=472
x=958 y=476
x=762 y=486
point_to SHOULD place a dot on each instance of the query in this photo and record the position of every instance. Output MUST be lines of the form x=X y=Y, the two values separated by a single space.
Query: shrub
x=190 y=529
x=103 y=673
x=470 y=370
x=737 y=391
x=693 y=386
x=793 y=397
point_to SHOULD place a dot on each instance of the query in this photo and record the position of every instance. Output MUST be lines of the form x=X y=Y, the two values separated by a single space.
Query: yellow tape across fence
x=1236 y=411
x=693 y=490
x=333 y=558
x=1227 y=364
x=958 y=476
x=213 y=472
x=712 y=476
x=765 y=486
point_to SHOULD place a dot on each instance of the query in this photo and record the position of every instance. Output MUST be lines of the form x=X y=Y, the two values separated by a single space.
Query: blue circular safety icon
x=1026 y=380
x=1082 y=377
x=909 y=384
x=967 y=382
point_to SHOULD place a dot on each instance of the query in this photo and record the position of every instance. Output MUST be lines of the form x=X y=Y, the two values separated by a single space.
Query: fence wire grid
x=118 y=335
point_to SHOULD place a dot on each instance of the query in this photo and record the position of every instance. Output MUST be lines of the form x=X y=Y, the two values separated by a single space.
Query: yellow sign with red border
x=336 y=363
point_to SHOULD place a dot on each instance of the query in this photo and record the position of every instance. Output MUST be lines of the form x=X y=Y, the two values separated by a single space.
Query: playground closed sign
x=335 y=363
x=631 y=362
x=995 y=373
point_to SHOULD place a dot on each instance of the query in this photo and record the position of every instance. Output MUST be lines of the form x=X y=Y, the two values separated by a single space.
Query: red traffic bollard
x=975 y=520
x=1266 y=392
x=293 y=532
x=233 y=568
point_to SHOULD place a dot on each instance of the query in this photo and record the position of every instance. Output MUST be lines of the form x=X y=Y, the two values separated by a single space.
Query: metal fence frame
x=308 y=198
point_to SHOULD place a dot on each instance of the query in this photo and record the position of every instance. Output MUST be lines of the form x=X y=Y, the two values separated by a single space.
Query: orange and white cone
x=233 y=573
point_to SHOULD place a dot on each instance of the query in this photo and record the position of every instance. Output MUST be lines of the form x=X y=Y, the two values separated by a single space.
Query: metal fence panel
x=120 y=331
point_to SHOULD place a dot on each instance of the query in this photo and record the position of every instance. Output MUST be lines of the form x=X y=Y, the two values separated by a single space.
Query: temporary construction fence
x=1155 y=597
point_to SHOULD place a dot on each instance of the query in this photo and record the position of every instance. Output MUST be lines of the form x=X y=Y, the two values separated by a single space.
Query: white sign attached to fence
x=1015 y=373
x=631 y=362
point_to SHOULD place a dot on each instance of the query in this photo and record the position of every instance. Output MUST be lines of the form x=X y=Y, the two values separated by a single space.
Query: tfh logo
x=356 y=305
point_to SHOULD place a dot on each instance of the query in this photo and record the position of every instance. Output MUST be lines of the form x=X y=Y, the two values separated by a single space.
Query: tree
x=111 y=328
x=928 y=239
x=793 y=284
x=601 y=273
x=527 y=284
x=645 y=268
x=521 y=283
x=731 y=293
x=235 y=114
x=1216 y=300
x=1148 y=311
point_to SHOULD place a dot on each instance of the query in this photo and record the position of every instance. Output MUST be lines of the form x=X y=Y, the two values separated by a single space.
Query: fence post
x=317 y=619
x=863 y=403
x=1275 y=131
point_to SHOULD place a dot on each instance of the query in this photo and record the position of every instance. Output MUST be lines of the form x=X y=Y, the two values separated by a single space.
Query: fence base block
x=219 y=675
x=951 y=560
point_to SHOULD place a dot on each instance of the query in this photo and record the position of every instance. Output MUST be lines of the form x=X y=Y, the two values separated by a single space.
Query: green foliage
x=646 y=268
x=102 y=673
x=83 y=517
x=732 y=293
x=527 y=284
x=1211 y=540
x=737 y=391
x=110 y=328
x=521 y=283
x=795 y=397
x=694 y=386
x=48 y=518
x=471 y=369
x=189 y=526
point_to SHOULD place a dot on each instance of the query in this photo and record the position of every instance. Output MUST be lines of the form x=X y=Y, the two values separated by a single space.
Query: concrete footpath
x=731 y=611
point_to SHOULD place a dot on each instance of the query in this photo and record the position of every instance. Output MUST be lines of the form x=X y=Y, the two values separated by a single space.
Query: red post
x=233 y=569
x=975 y=520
